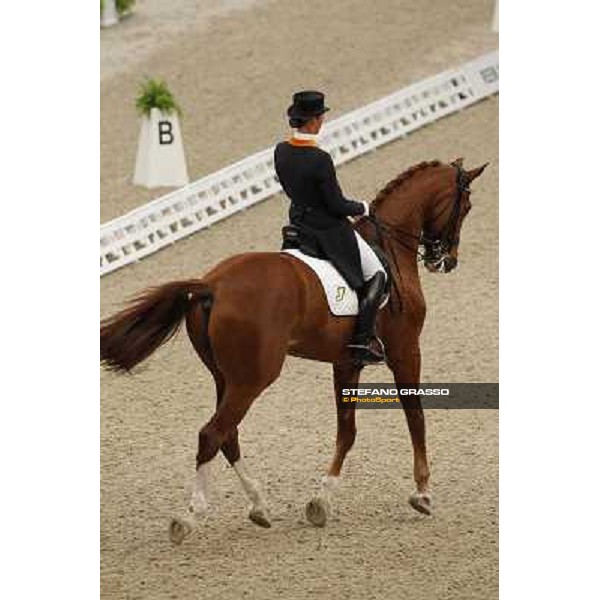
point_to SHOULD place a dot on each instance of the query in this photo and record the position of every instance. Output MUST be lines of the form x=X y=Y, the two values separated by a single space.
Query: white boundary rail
x=200 y=204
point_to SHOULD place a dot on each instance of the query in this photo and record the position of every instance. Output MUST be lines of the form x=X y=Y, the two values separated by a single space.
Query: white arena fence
x=200 y=204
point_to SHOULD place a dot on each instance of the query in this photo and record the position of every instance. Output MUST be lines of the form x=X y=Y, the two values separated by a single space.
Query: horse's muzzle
x=450 y=263
x=445 y=264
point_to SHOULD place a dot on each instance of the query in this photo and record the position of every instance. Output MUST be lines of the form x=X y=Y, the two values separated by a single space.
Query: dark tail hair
x=132 y=335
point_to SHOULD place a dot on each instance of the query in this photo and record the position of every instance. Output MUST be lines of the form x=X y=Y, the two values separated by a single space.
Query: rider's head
x=308 y=125
x=307 y=111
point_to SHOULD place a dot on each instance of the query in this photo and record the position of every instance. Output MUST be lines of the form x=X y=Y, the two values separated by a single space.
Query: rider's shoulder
x=323 y=157
x=322 y=154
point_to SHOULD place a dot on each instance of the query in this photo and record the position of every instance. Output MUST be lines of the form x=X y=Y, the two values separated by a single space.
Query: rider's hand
x=359 y=217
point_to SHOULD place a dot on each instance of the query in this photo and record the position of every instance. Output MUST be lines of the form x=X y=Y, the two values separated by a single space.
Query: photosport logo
x=431 y=395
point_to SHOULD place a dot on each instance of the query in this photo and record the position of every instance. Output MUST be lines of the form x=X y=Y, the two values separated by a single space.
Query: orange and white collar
x=304 y=139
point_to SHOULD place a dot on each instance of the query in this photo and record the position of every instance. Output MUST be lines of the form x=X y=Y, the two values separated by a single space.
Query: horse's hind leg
x=258 y=510
x=319 y=508
x=241 y=373
x=221 y=433
x=218 y=432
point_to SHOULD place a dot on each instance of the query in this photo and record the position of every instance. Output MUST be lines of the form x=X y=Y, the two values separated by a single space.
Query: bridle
x=435 y=248
x=434 y=245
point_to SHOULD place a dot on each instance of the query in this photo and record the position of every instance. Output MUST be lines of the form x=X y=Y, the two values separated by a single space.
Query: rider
x=320 y=211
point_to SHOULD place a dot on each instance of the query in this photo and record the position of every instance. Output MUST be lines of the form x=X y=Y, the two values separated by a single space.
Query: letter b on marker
x=165 y=133
x=160 y=158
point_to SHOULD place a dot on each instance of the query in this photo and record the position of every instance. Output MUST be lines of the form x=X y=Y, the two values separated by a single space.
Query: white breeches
x=368 y=259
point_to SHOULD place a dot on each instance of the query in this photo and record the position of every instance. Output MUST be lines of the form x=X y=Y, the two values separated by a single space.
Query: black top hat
x=307 y=104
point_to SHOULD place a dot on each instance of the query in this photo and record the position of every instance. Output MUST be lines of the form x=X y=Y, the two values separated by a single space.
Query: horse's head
x=441 y=232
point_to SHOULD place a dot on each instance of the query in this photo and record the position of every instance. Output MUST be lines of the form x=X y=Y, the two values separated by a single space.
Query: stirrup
x=365 y=354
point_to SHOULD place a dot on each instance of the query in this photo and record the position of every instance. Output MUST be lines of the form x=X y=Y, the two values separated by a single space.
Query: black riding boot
x=365 y=346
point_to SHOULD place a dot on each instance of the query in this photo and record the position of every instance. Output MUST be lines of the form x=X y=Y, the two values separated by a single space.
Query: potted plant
x=154 y=93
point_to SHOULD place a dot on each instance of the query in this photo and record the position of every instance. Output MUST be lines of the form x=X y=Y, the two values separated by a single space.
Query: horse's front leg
x=319 y=508
x=407 y=371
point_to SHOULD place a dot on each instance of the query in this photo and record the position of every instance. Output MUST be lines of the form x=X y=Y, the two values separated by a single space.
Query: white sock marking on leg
x=199 y=501
x=249 y=484
x=329 y=485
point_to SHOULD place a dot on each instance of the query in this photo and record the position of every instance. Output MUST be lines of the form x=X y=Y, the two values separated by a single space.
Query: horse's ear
x=475 y=173
x=457 y=162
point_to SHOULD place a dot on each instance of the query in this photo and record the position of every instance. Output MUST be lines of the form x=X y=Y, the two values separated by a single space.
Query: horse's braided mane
x=395 y=183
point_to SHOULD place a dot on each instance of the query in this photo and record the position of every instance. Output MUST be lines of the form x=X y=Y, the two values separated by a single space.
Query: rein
x=435 y=249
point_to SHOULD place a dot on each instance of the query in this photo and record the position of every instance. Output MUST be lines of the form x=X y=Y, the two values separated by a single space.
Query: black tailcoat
x=307 y=175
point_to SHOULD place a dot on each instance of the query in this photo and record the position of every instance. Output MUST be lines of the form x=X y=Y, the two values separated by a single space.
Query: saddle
x=299 y=238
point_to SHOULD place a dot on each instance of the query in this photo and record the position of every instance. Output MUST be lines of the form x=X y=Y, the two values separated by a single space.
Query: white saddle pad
x=342 y=299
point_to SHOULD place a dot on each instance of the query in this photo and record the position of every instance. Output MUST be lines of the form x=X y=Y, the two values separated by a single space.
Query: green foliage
x=154 y=93
x=124 y=5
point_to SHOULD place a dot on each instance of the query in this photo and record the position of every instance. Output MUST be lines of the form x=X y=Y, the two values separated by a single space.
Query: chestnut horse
x=253 y=309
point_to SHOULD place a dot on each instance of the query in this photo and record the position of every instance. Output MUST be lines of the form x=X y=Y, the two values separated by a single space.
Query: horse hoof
x=260 y=517
x=317 y=511
x=179 y=529
x=421 y=502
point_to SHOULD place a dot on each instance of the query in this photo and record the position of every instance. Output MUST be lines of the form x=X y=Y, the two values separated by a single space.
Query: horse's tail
x=132 y=335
